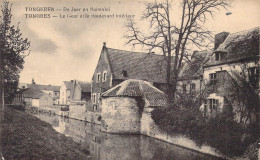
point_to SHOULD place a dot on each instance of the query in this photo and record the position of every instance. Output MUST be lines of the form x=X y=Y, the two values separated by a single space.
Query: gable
x=193 y=69
x=103 y=64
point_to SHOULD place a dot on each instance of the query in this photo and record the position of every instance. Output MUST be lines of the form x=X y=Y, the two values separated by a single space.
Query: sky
x=68 y=48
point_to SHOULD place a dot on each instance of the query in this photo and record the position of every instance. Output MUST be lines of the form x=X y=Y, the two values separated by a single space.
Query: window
x=95 y=107
x=213 y=78
x=184 y=88
x=217 y=56
x=254 y=76
x=192 y=86
x=98 y=77
x=104 y=76
x=113 y=105
x=94 y=98
x=213 y=104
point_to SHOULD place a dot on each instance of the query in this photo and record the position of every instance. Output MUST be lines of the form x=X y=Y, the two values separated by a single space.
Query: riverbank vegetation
x=24 y=136
x=220 y=131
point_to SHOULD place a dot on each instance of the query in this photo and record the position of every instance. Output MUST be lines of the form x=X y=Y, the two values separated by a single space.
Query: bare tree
x=245 y=92
x=171 y=35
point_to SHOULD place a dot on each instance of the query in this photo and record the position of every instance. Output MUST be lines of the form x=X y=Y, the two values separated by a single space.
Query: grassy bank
x=26 y=137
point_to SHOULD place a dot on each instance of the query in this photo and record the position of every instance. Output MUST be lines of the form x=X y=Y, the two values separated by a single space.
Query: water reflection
x=105 y=146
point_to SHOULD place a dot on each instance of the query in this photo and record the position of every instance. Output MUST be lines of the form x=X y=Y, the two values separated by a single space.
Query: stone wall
x=149 y=128
x=77 y=112
x=120 y=115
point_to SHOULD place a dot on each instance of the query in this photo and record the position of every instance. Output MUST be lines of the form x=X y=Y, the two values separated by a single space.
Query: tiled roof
x=30 y=92
x=68 y=84
x=194 y=67
x=143 y=66
x=44 y=87
x=138 y=88
x=85 y=86
x=239 y=46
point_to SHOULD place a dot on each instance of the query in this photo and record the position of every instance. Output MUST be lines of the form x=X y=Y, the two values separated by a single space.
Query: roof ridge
x=135 y=52
x=235 y=34
x=126 y=50
x=250 y=29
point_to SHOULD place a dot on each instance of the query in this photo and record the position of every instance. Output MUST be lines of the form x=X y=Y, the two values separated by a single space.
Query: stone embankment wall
x=149 y=128
x=77 y=112
x=120 y=115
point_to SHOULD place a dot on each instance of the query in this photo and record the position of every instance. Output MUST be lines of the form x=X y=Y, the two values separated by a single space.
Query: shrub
x=221 y=132
x=181 y=121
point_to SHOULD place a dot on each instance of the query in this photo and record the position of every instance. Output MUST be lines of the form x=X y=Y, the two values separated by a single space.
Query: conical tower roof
x=138 y=88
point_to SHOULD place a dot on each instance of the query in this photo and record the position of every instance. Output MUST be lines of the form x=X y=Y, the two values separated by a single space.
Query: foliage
x=185 y=121
x=13 y=47
x=222 y=131
x=244 y=93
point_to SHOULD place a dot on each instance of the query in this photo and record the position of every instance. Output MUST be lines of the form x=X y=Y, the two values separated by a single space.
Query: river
x=104 y=146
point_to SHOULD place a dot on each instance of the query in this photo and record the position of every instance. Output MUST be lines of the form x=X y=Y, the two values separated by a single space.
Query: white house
x=41 y=100
x=232 y=54
x=65 y=91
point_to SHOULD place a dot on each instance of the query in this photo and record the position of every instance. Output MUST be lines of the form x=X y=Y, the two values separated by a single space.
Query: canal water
x=104 y=146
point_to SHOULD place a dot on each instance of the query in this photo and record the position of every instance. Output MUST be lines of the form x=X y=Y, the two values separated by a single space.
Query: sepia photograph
x=129 y=80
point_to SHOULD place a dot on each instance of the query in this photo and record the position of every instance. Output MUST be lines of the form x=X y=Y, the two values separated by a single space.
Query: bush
x=189 y=122
x=221 y=132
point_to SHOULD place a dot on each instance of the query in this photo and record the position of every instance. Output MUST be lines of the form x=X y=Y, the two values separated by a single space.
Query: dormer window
x=219 y=55
x=124 y=73
x=104 y=77
x=98 y=77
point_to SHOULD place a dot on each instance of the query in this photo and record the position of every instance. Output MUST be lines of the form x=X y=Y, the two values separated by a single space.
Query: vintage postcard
x=129 y=79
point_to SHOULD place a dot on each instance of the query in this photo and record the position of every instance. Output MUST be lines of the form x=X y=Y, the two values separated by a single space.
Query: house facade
x=80 y=91
x=42 y=100
x=65 y=91
x=191 y=75
x=115 y=66
x=235 y=55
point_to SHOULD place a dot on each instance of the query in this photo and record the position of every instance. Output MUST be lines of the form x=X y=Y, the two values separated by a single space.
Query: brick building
x=115 y=66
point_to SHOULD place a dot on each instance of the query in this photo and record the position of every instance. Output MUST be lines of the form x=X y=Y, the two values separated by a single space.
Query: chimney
x=220 y=38
x=33 y=82
x=104 y=44
x=194 y=52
